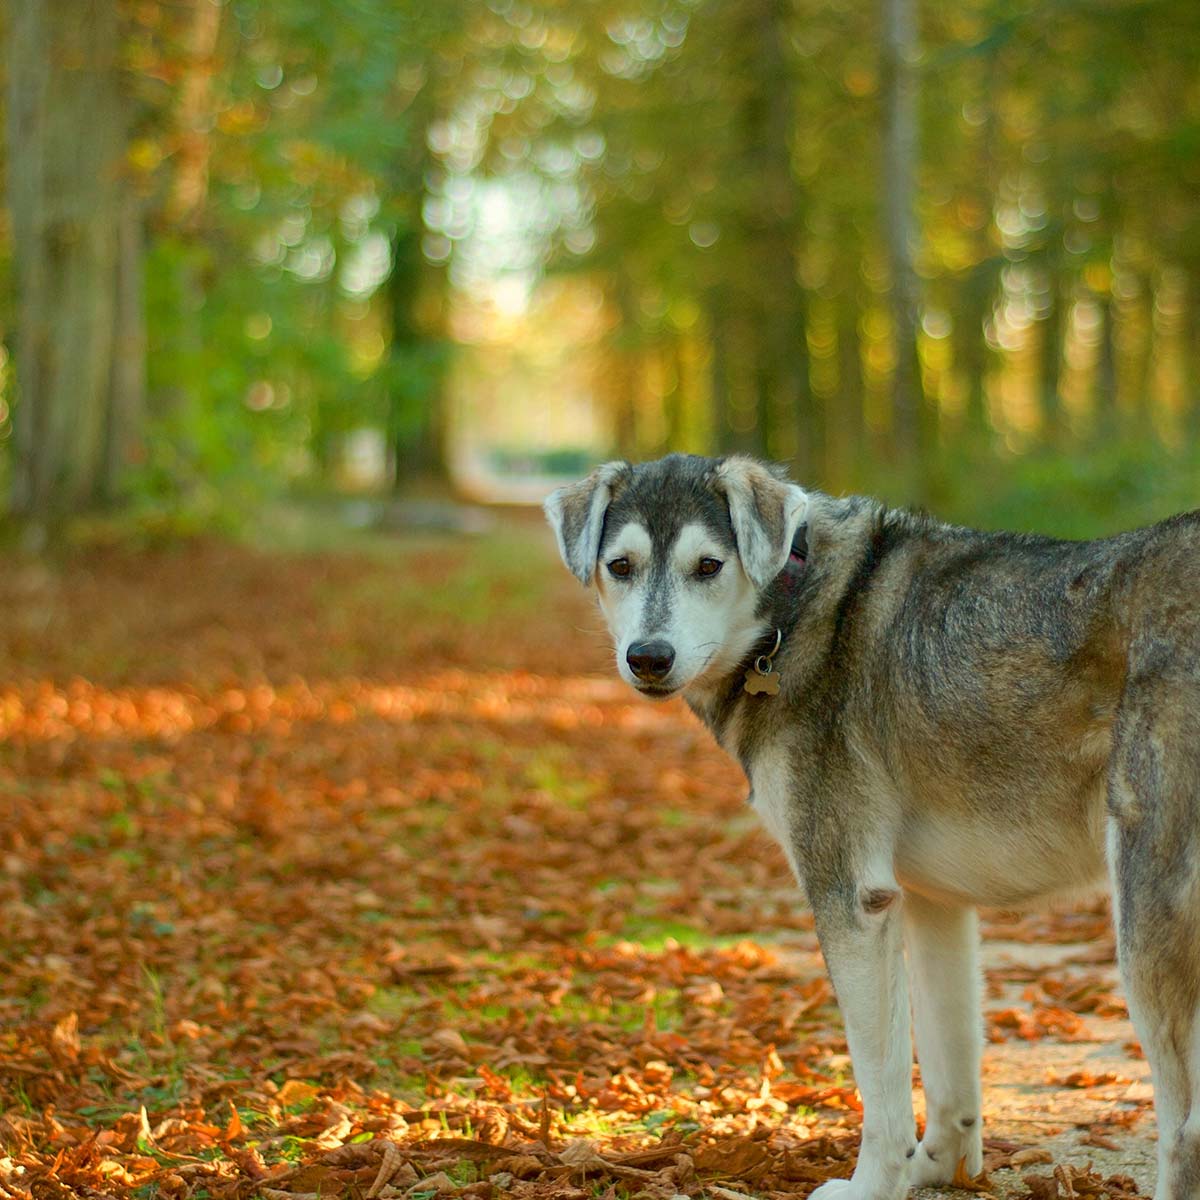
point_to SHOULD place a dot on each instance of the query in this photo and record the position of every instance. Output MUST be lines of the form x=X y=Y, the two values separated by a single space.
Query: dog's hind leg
x=943 y=964
x=1154 y=854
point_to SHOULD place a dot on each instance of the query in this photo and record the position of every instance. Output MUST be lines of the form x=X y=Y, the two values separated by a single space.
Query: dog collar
x=798 y=555
x=761 y=677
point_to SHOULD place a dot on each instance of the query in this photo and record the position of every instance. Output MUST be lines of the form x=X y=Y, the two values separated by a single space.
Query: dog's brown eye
x=709 y=566
x=619 y=567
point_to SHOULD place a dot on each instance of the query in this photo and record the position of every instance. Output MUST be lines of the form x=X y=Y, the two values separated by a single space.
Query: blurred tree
x=416 y=289
x=898 y=62
x=76 y=253
x=277 y=211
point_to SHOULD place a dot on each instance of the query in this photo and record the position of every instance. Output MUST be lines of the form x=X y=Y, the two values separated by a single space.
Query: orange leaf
x=980 y=1183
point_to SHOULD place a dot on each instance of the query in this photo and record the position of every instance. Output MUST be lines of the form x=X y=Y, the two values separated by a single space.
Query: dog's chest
x=772 y=798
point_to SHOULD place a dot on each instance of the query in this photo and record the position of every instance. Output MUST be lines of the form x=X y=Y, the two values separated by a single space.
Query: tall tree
x=771 y=216
x=66 y=144
x=898 y=61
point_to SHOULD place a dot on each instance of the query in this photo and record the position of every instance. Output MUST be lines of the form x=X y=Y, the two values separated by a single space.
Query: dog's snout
x=651 y=662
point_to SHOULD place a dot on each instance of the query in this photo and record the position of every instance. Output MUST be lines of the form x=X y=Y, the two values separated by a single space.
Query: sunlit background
x=257 y=249
x=334 y=855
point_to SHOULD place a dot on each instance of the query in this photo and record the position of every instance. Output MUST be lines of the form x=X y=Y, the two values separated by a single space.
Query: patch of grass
x=599 y=1124
x=523 y=1078
x=393 y=1003
x=548 y=772
x=653 y=933
x=164 y=1095
x=491 y=579
x=291 y=1148
x=410 y=1089
x=464 y=1172
x=609 y=1191
x=27 y=1105
x=676 y=818
x=654 y=1120
x=667 y=1007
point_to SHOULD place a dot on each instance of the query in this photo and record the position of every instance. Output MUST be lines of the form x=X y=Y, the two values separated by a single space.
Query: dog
x=931 y=719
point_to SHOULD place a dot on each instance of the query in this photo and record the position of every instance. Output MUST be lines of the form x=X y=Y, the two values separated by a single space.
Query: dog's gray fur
x=965 y=719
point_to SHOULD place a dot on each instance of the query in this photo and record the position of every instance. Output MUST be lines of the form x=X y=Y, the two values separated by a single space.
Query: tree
x=66 y=147
x=898 y=59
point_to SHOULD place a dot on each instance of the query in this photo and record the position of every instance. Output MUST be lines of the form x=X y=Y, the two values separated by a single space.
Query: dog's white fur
x=711 y=623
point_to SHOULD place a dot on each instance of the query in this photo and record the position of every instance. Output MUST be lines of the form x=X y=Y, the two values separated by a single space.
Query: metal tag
x=759 y=683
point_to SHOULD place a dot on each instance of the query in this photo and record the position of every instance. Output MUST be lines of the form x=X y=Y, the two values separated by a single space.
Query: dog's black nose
x=651 y=662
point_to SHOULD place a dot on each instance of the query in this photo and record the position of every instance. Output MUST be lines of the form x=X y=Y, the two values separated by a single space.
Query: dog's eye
x=619 y=567
x=709 y=566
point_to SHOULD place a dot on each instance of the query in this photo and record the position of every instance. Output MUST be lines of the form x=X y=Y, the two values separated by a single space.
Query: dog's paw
x=835 y=1189
x=941 y=1165
x=850 y=1189
x=924 y=1170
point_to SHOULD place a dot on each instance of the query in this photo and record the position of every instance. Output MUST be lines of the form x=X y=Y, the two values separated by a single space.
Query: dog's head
x=679 y=551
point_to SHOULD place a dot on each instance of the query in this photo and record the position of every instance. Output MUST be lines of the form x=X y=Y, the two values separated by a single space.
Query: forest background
x=949 y=254
x=337 y=862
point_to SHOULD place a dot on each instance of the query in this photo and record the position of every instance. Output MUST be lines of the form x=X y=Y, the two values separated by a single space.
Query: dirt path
x=1075 y=1096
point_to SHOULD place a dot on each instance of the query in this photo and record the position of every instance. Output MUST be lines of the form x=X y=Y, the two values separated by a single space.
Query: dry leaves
x=319 y=879
x=1076 y=1183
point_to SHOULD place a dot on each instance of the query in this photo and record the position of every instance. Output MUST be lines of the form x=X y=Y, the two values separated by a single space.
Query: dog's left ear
x=576 y=514
x=766 y=509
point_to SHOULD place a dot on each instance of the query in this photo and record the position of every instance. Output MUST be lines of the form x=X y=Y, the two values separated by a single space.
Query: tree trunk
x=1104 y=387
x=1191 y=357
x=723 y=437
x=911 y=422
x=782 y=382
x=624 y=376
x=675 y=396
x=1053 y=328
x=127 y=379
x=416 y=412
x=851 y=419
x=971 y=350
x=416 y=298
x=65 y=146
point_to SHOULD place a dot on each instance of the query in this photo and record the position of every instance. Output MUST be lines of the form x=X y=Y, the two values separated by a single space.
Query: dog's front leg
x=860 y=932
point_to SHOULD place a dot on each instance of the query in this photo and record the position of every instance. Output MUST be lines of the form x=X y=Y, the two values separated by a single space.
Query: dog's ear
x=766 y=509
x=576 y=514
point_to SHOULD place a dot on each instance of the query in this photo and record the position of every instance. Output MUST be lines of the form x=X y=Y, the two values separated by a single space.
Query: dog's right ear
x=576 y=514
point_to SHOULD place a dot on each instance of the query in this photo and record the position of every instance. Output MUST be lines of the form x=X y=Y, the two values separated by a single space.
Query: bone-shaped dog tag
x=759 y=684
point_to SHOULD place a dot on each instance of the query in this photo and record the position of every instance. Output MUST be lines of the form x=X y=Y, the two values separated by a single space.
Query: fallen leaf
x=978 y=1183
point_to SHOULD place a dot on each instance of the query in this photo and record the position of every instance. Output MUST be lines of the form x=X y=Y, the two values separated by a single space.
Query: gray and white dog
x=931 y=718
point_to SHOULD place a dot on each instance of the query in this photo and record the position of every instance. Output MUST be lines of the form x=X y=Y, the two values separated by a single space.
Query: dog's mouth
x=656 y=691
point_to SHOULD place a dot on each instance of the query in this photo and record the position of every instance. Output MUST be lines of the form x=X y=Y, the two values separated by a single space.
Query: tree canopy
x=902 y=250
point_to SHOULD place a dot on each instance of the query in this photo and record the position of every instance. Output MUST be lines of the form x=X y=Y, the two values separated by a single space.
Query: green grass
x=500 y=577
x=629 y=1016
x=653 y=933
x=548 y=771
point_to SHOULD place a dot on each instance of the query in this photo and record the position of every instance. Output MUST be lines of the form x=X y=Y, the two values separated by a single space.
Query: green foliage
x=1120 y=486
x=711 y=170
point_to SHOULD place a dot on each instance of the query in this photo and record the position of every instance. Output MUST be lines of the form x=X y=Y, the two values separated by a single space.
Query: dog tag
x=759 y=683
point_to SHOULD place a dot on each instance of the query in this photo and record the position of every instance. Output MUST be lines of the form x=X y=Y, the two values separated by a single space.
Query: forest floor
x=358 y=873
